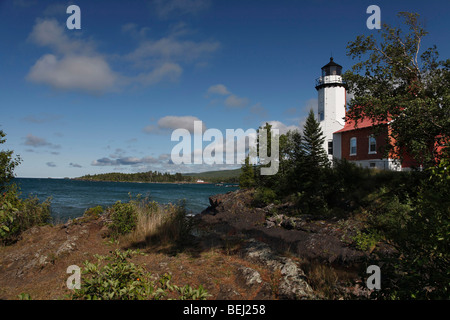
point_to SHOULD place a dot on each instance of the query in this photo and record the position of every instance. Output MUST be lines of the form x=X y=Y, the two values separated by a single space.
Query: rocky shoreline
x=237 y=252
x=305 y=236
x=271 y=236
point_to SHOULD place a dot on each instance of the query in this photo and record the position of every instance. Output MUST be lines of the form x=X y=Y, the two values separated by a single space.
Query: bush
x=264 y=197
x=123 y=218
x=17 y=215
x=121 y=279
x=93 y=212
x=420 y=268
x=366 y=241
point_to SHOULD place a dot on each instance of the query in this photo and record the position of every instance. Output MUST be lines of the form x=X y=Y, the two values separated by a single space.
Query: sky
x=107 y=97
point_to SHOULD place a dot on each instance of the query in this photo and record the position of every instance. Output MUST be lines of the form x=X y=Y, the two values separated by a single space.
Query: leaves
x=121 y=279
x=7 y=164
x=394 y=81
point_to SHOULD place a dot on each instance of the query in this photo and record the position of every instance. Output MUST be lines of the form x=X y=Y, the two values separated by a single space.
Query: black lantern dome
x=331 y=69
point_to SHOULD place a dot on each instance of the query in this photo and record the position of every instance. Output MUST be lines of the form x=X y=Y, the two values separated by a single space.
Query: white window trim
x=356 y=146
x=373 y=152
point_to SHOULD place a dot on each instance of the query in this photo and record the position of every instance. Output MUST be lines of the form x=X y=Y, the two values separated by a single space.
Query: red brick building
x=364 y=145
x=361 y=144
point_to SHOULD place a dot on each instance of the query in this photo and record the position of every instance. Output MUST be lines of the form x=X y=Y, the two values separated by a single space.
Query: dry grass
x=157 y=224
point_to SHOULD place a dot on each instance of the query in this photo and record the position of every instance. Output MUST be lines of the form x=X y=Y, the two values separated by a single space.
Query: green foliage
x=7 y=164
x=247 y=177
x=422 y=240
x=18 y=215
x=313 y=139
x=121 y=279
x=396 y=80
x=388 y=214
x=302 y=167
x=24 y=296
x=94 y=212
x=366 y=241
x=188 y=293
x=123 y=217
x=228 y=176
x=263 y=197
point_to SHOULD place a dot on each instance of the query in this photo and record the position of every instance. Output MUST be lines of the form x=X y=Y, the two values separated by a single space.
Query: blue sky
x=106 y=98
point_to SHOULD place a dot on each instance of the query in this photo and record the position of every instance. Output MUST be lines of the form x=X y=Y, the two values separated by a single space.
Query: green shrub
x=123 y=218
x=121 y=279
x=366 y=241
x=18 y=215
x=420 y=267
x=264 y=197
x=94 y=212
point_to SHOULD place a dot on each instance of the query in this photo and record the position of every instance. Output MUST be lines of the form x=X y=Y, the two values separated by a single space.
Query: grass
x=155 y=223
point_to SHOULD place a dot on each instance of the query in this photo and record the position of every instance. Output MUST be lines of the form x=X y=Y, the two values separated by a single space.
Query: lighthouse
x=331 y=105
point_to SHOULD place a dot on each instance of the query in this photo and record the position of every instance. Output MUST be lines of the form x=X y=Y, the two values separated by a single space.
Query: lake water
x=70 y=198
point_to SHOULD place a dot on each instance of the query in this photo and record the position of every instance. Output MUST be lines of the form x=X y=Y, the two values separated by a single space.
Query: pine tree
x=312 y=144
x=247 y=178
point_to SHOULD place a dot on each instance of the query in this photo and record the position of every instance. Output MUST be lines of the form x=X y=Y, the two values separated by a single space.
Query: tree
x=7 y=164
x=394 y=81
x=291 y=163
x=312 y=144
x=247 y=177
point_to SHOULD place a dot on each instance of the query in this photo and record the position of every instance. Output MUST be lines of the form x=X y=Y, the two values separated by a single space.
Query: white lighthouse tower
x=331 y=105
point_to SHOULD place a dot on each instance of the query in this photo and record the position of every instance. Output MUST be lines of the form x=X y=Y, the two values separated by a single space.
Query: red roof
x=362 y=123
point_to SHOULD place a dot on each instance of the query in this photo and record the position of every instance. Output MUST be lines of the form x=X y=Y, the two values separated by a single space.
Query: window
x=321 y=117
x=330 y=147
x=372 y=165
x=353 y=146
x=372 y=145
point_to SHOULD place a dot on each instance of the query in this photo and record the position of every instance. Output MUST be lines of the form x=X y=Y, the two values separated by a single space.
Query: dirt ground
x=37 y=264
x=236 y=253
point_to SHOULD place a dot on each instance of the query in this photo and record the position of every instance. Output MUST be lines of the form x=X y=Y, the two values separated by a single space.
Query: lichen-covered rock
x=293 y=284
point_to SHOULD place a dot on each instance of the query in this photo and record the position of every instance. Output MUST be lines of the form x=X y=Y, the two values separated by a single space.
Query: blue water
x=70 y=198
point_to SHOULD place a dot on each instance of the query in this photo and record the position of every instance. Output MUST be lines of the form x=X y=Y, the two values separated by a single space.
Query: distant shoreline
x=162 y=182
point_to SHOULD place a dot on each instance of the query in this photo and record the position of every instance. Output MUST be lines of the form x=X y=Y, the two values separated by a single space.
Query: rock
x=252 y=279
x=288 y=223
x=67 y=247
x=293 y=283
x=249 y=276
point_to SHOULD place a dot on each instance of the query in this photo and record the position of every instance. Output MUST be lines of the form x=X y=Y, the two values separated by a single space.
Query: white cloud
x=165 y=72
x=172 y=49
x=75 y=64
x=49 y=33
x=219 y=89
x=282 y=128
x=168 y=8
x=91 y=74
x=234 y=101
x=133 y=30
x=170 y=123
